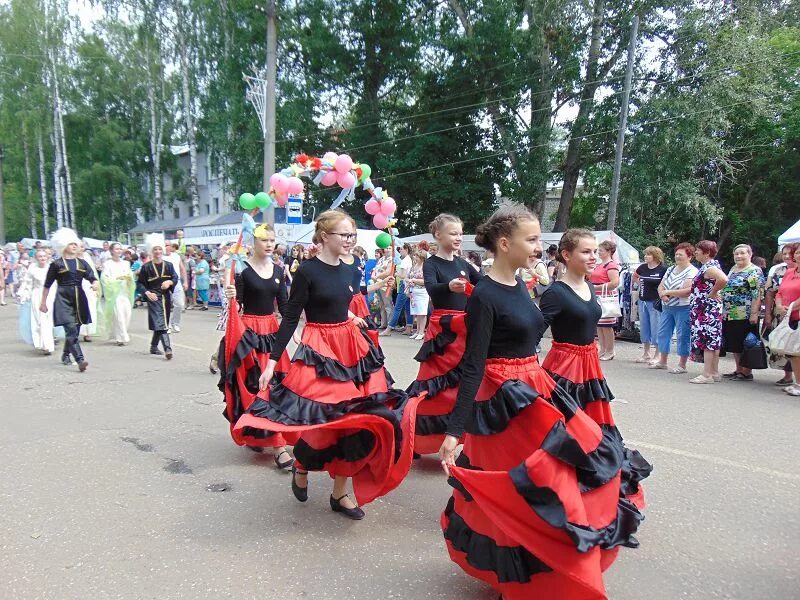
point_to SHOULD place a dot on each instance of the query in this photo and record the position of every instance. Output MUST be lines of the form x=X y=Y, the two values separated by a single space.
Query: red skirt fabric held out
x=244 y=352
x=537 y=510
x=337 y=397
x=439 y=358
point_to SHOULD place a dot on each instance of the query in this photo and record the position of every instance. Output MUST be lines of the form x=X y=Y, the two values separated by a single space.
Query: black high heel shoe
x=300 y=493
x=351 y=513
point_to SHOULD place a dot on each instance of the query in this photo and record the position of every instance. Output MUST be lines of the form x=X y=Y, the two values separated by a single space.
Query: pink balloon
x=295 y=186
x=346 y=180
x=388 y=206
x=281 y=199
x=372 y=207
x=280 y=183
x=329 y=178
x=330 y=157
x=380 y=221
x=343 y=163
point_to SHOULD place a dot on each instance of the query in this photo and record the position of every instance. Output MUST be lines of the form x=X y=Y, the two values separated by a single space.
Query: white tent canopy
x=626 y=254
x=791 y=235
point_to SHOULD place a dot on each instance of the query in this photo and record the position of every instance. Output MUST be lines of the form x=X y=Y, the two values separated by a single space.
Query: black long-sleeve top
x=573 y=319
x=324 y=291
x=68 y=272
x=502 y=322
x=257 y=295
x=151 y=276
x=438 y=273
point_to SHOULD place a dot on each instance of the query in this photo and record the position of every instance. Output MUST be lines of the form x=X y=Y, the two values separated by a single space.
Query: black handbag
x=754 y=355
x=658 y=305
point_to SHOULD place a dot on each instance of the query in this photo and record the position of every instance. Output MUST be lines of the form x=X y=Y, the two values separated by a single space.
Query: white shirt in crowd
x=175 y=259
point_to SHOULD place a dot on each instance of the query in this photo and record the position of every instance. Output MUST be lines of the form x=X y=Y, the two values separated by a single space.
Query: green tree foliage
x=454 y=104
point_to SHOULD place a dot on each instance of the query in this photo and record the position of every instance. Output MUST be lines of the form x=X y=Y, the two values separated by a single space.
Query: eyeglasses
x=347 y=237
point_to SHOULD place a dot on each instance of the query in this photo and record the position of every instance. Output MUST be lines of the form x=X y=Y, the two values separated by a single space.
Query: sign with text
x=294 y=210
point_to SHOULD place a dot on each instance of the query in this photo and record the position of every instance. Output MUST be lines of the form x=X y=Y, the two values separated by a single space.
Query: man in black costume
x=158 y=278
x=71 y=307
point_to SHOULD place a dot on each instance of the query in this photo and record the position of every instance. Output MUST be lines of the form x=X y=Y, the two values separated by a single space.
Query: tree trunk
x=60 y=140
x=57 y=167
x=572 y=163
x=183 y=51
x=28 y=182
x=43 y=188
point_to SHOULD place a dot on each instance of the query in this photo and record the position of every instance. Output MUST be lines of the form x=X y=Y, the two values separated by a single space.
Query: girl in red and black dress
x=249 y=339
x=447 y=279
x=571 y=309
x=336 y=393
x=535 y=511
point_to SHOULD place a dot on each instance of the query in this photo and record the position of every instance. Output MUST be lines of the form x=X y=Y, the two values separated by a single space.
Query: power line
x=582 y=137
x=516 y=96
x=507 y=117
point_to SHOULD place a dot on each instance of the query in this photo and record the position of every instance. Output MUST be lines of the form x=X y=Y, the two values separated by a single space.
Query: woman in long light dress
x=118 y=292
x=36 y=327
x=89 y=329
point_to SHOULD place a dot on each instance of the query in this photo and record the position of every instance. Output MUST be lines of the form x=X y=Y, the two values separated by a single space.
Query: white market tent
x=791 y=235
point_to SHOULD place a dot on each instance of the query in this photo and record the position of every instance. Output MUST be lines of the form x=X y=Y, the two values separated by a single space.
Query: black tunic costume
x=536 y=510
x=70 y=308
x=159 y=310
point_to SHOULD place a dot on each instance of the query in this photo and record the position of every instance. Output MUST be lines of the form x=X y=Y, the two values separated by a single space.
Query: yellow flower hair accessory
x=261 y=231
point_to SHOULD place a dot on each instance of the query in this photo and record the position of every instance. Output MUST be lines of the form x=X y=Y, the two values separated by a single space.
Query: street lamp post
x=261 y=94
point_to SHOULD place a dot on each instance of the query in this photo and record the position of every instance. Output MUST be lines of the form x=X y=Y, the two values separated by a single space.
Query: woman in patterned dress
x=705 y=315
x=741 y=300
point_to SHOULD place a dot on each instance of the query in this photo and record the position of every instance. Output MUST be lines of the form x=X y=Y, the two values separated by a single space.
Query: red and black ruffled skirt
x=439 y=374
x=576 y=369
x=537 y=509
x=337 y=397
x=244 y=352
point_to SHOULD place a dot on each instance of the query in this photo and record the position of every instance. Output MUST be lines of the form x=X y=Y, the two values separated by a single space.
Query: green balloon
x=247 y=201
x=263 y=200
x=366 y=171
x=383 y=241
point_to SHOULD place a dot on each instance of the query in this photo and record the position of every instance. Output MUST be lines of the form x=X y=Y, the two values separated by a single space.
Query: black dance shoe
x=351 y=513
x=301 y=493
x=66 y=360
x=283 y=465
x=155 y=350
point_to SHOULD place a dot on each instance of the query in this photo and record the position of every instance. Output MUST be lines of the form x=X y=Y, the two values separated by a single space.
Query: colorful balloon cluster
x=329 y=170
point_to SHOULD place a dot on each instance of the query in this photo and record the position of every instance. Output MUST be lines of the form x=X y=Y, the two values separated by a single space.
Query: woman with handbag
x=784 y=262
x=788 y=297
x=605 y=278
x=705 y=314
x=741 y=302
x=648 y=276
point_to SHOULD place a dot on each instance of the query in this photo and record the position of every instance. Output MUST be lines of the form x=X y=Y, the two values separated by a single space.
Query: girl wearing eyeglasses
x=336 y=393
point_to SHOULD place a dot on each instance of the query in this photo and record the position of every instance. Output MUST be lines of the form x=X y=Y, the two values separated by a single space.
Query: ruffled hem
x=592 y=390
x=350 y=448
x=435 y=385
x=508 y=564
x=332 y=368
x=369 y=439
x=437 y=345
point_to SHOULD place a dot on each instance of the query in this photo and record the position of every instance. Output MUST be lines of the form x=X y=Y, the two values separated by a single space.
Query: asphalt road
x=107 y=479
